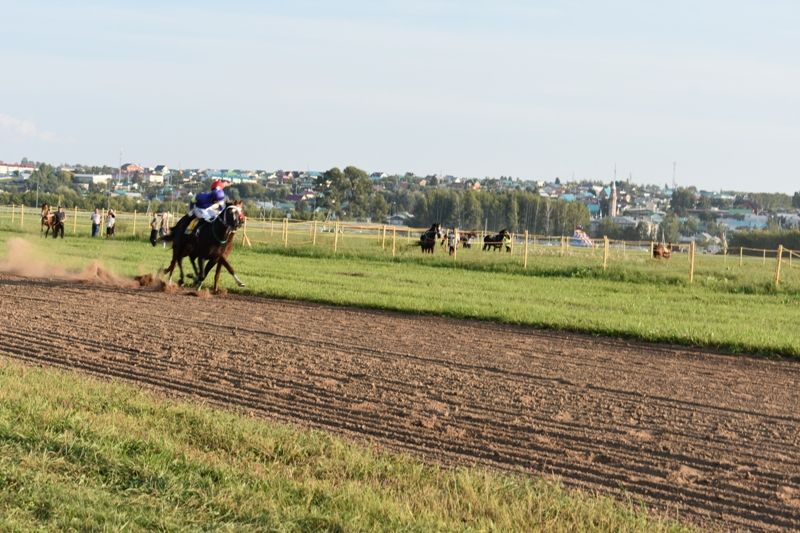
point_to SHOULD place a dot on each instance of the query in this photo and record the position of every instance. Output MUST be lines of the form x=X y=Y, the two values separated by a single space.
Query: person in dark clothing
x=154 y=228
x=61 y=218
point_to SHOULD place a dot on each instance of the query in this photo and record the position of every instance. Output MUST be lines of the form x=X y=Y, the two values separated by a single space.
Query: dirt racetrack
x=703 y=437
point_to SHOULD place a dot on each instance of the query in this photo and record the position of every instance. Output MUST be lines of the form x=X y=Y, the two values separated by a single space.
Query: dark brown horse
x=427 y=241
x=495 y=242
x=211 y=242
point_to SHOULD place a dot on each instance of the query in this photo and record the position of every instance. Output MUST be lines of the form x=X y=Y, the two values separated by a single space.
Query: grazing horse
x=662 y=252
x=211 y=242
x=48 y=221
x=496 y=241
x=427 y=241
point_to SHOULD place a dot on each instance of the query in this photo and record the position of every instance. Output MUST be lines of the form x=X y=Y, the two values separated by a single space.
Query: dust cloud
x=25 y=261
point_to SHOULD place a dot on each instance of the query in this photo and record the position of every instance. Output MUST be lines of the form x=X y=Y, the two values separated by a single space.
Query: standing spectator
x=96 y=219
x=154 y=228
x=110 y=221
x=452 y=240
x=163 y=229
x=61 y=218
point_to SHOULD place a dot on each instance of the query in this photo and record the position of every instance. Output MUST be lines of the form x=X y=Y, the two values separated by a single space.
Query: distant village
x=303 y=194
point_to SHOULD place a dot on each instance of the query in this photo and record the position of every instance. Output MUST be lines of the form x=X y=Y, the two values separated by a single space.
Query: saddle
x=194 y=224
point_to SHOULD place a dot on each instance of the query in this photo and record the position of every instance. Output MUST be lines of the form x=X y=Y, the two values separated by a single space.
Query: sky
x=531 y=89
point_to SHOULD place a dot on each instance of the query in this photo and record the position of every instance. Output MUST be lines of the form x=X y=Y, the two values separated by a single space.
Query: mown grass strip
x=77 y=453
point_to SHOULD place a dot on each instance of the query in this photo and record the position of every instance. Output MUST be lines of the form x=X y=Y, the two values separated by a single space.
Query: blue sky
x=473 y=88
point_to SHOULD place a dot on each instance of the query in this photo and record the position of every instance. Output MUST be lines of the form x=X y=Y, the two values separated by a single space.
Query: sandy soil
x=703 y=437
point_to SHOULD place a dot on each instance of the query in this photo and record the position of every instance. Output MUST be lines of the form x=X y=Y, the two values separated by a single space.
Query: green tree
x=471 y=212
x=682 y=200
x=671 y=228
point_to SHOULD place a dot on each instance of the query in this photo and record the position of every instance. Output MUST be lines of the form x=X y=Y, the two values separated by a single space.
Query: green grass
x=728 y=307
x=79 y=454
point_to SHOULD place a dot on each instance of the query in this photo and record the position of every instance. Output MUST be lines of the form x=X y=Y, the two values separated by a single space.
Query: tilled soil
x=702 y=437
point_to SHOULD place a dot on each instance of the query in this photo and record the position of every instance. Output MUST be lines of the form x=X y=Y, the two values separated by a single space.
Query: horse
x=496 y=241
x=466 y=238
x=48 y=221
x=427 y=241
x=662 y=252
x=211 y=242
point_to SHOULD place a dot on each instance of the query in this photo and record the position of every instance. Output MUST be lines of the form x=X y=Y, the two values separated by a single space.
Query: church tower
x=612 y=202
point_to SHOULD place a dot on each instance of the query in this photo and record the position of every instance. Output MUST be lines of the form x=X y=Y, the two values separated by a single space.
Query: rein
x=228 y=231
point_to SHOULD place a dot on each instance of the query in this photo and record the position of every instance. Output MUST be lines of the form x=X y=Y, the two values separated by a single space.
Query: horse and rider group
x=455 y=238
x=204 y=235
x=53 y=220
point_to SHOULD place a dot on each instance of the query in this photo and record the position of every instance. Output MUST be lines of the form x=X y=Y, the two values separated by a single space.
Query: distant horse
x=496 y=241
x=427 y=241
x=662 y=252
x=466 y=238
x=48 y=221
x=211 y=242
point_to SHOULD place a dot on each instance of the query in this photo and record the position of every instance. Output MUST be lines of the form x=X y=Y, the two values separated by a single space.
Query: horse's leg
x=180 y=268
x=198 y=282
x=224 y=262
x=216 y=277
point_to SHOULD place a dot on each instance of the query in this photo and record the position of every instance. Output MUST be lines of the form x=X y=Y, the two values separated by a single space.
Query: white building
x=91 y=178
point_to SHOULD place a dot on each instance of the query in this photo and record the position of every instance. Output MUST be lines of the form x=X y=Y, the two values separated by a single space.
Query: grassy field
x=80 y=454
x=728 y=307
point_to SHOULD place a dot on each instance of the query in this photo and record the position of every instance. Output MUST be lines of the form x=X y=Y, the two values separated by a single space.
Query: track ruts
x=706 y=437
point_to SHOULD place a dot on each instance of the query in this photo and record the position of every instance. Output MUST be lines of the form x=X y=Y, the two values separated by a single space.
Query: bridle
x=229 y=229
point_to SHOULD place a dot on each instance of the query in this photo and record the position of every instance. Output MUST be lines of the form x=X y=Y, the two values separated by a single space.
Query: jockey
x=208 y=205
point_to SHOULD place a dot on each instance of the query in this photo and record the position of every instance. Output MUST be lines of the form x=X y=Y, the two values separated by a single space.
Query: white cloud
x=26 y=128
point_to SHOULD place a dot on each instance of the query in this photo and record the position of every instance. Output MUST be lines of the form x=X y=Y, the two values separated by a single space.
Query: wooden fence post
x=314 y=234
x=285 y=232
x=778 y=266
x=13 y=212
x=652 y=244
x=605 y=252
x=455 y=244
x=741 y=255
x=525 y=259
x=335 y=236
x=692 y=249
x=383 y=238
x=394 y=241
x=533 y=244
x=75 y=220
x=22 y=215
x=134 y=223
x=765 y=257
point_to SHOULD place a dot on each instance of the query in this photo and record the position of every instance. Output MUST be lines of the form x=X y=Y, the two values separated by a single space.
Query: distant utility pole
x=674 y=183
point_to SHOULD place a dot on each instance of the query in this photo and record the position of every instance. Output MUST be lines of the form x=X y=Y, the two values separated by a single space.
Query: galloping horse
x=211 y=242
x=496 y=241
x=662 y=252
x=427 y=240
x=48 y=220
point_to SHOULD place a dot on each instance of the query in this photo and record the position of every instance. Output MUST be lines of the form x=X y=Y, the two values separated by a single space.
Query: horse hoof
x=240 y=284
